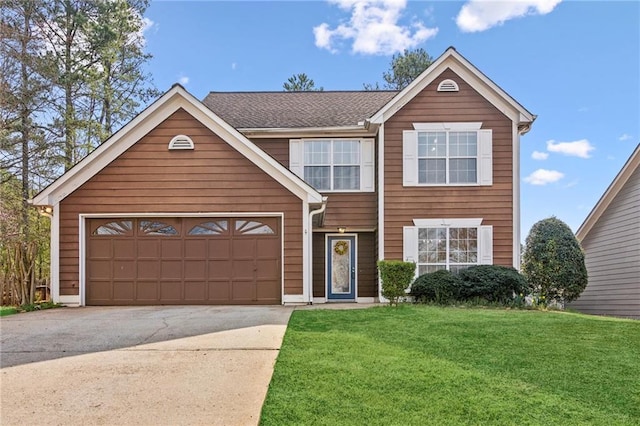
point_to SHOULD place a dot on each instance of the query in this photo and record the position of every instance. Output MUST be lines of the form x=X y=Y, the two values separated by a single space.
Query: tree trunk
x=25 y=129
x=69 y=113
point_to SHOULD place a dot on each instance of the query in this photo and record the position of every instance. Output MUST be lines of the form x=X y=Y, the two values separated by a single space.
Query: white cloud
x=234 y=65
x=147 y=24
x=543 y=177
x=480 y=15
x=537 y=155
x=625 y=137
x=184 y=80
x=373 y=28
x=580 y=148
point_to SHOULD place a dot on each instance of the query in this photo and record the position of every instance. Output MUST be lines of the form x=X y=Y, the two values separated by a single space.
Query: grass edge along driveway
x=419 y=365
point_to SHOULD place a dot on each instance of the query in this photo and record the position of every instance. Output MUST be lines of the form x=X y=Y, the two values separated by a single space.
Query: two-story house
x=291 y=197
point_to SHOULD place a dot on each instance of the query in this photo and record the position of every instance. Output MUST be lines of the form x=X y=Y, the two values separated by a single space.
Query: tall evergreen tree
x=300 y=83
x=71 y=72
x=403 y=69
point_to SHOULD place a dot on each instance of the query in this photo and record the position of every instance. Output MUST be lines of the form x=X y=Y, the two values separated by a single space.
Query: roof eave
x=522 y=115
x=89 y=165
x=357 y=130
x=612 y=190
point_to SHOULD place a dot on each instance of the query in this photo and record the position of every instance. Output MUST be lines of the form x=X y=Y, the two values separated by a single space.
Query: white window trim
x=475 y=125
x=484 y=235
x=367 y=162
x=484 y=154
x=454 y=223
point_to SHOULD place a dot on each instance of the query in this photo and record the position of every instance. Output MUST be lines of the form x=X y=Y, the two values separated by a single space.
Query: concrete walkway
x=157 y=365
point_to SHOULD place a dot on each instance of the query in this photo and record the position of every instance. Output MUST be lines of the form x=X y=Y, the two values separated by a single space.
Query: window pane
x=154 y=227
x=120 y=227
x=432 y=171
x=432 y=144
x=252 y=227
x=346 y=177
x=432 y=245
x=318 y=177
x=463 y=144
x=424 y=269
x=346 y=152
x=432 y=249
x=457 y=268
x=317 y=152
x=463 y=170
x=210 y=228
x=463 y=245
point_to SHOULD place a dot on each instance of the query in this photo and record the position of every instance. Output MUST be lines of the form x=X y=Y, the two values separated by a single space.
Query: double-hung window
x=451 y=244
x=334 y=164
x=447 y=154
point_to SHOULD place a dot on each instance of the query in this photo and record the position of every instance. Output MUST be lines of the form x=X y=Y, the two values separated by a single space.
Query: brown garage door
x=183 y=261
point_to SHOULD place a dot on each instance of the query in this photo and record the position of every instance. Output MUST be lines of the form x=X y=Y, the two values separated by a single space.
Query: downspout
x=313 y=213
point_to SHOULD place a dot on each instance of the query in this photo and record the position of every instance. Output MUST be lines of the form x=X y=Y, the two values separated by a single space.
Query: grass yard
x=7 y=310
x=419 y=365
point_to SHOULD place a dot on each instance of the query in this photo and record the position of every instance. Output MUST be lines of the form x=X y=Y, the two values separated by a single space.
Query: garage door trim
x=82 y=236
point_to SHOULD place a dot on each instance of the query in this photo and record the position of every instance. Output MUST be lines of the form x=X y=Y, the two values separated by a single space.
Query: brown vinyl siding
x=612 y=257
x=148 y=178
x=492 y=203
x=367 y=270
x=355 y=210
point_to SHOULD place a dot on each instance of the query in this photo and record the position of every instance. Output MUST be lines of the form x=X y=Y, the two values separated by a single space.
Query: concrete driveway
x=183 y=365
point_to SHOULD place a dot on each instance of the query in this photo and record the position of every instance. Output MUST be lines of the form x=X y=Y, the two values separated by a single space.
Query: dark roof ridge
x=304 y=91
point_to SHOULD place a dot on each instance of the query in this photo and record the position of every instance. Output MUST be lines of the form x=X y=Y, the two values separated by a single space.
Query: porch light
x=342 y=229
x=45 y=211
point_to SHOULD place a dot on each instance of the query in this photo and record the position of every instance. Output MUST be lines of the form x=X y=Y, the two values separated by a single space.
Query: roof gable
x=614 y=188
x=467 y=71
x=174 y=99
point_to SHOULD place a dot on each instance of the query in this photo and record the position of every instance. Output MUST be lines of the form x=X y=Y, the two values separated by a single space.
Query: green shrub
x=396 y=276
x=492 y=283
x=441 y=286
x=553 y=262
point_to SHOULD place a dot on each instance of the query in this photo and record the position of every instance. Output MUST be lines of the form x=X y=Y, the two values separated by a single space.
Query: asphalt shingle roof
x=296 y=109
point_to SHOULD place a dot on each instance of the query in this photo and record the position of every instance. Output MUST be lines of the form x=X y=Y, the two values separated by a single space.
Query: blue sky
x=574 y=64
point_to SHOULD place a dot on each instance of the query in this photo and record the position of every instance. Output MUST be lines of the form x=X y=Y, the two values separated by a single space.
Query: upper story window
x=338 y=165
x=447 y=157
x=332 y=165
x=447 y=154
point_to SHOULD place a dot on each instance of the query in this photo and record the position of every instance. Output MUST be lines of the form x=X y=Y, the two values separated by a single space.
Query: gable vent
x=448 y=86
x=181 y=142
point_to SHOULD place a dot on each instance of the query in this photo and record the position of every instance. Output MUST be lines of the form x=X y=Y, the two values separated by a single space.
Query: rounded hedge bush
x=492 y=283
x=553 y=261
x=440 y=287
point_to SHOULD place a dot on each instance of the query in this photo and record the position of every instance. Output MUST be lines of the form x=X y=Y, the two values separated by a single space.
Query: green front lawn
x=419 y=365
x=7 y=310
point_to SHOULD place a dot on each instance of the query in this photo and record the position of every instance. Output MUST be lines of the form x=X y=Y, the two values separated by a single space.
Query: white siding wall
x=612 y=249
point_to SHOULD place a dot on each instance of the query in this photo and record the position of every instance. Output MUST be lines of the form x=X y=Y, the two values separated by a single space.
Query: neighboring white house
x=610 y=236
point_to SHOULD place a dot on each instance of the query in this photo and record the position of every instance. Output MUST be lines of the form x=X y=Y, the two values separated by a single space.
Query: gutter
x=312 y=214
x=350 y=131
